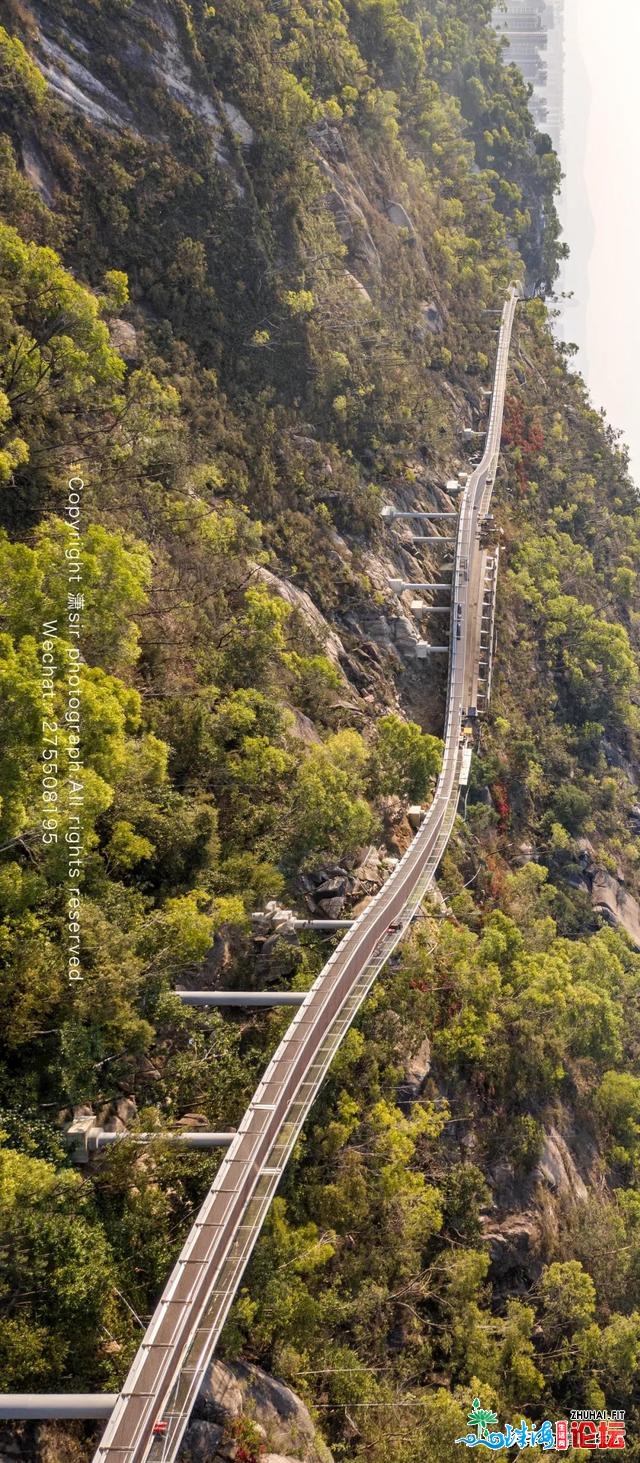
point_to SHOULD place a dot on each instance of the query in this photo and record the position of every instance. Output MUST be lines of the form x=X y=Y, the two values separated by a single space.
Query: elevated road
x=170 y=1365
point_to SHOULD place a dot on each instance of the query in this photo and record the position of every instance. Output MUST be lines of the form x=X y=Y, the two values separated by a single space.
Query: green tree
x=618 y=1101
x=404 y=760
x=328 y=812
x=56 y=1277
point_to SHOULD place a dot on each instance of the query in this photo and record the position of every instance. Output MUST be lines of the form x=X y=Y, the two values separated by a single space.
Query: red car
x=160 y=1427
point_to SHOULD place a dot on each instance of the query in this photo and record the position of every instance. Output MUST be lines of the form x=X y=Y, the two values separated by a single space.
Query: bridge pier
x=84 y=1137
x=399 y=585
x=322 y=924
x=241 y=998
x=389 y=514
x=34 y=1406
x=438 y=538
x=285 y=919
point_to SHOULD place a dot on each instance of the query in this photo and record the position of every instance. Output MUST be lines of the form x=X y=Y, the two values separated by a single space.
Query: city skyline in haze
x=600 y=206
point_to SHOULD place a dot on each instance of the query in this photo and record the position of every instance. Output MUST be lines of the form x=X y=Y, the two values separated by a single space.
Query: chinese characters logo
x=588 y=1429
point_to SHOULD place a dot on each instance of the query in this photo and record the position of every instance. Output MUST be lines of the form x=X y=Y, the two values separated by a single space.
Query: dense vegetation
x=246 y=306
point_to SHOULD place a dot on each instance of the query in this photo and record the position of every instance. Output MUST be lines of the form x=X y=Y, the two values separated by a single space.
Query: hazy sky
x=601 y=205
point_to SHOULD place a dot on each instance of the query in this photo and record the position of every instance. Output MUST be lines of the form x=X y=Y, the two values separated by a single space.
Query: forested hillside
x=250 y=258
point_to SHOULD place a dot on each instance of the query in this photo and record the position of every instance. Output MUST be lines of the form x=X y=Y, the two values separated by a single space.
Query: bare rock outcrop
x=525 y=1213
x=358 y=289
x=303 y=728
x=556 y=1169
x=66 y=63
x=237 y=1390
x=277 y=1458
x=206 y=1442
x=329 y=892
x=352 y=210
x=113 y=1117
x=430 y=321
x=514 y=1247
x=397 y=214
x=610 y=898
x=212 y=971
x=417 y=1069
x=38 y=170
x=616 y=905
x=398 y=830
x=124 y=338
x=301 y=601
x=76 y=87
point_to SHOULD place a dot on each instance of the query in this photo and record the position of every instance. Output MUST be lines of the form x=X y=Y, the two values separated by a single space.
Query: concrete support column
x=32 y=1406
x=241 y=998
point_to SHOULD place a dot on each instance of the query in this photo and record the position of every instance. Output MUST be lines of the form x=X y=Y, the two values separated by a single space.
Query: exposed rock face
x=526 y=1208
x=238 y=124
x=114 y=1117
x=616 y=758
x=124 y=338
x=64 y=60
x=352 y=211
x=514 y=1249
x=303 y=727
x=416 y=1072
x=239 y=1389
x=277 y=1458
x=609 y=897
x=301 y=601
x=211 y=972
x=173 y=72
x=333 y=908
x=431 y=318
x=205 y=1442
x=357 y=287
x=277 y=957
x=398 y=830
x=370 y=871
x=329 y=141
x=127 y=1110
x=328 y=892
x=351 y=223
x=38 y=171
x=398 y=215
x=556 y=1168
x=75 y=85
x=333 y=888
x=613 y=902
x=193 y=1120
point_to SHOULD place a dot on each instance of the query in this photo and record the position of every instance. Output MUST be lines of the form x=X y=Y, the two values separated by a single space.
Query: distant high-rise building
x=535 y=32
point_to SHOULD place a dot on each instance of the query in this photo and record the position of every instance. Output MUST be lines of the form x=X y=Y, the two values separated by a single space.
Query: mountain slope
x=247 y=262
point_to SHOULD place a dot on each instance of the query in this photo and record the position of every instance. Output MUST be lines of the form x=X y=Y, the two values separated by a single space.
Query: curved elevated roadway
x=170 y=1365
